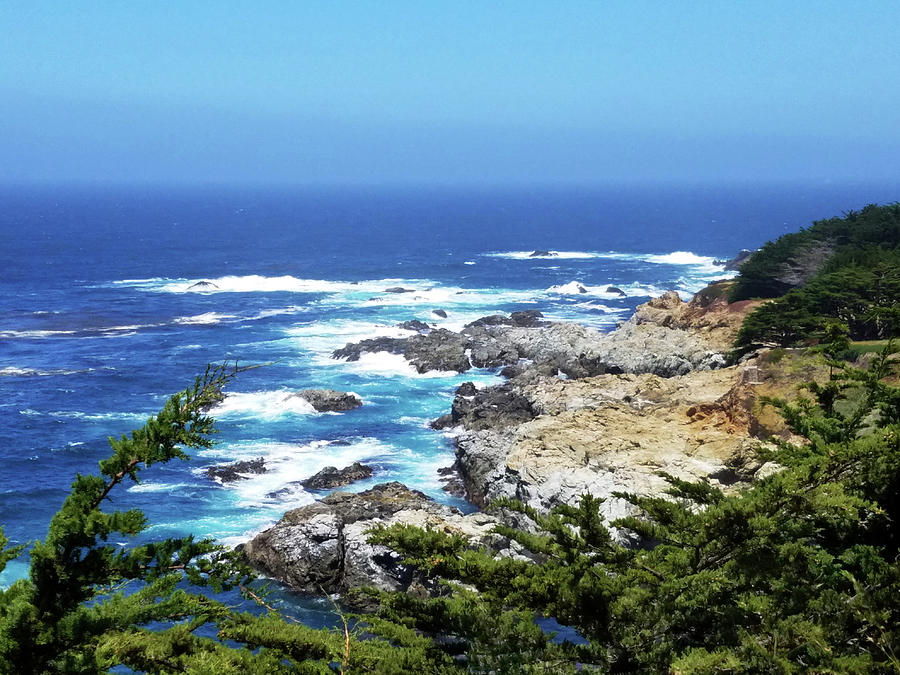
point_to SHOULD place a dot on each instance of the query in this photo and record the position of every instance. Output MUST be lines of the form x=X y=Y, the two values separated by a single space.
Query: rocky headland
x=580 y=412
x=323 y=547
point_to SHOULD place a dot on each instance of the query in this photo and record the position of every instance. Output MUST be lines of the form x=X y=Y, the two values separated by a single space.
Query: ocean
x=99 y=322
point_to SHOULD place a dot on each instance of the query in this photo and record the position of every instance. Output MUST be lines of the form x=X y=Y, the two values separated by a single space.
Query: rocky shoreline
x=580 y=412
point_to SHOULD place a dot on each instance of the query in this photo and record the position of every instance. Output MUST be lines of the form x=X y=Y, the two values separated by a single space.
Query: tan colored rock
x=616 y=433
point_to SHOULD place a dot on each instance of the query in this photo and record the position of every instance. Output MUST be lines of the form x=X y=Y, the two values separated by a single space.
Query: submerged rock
x=331 y=477
x=439 y=312
x=203 y=286
x=615 y=289
x=329 y=400
x=543 y=254
x=399 y=289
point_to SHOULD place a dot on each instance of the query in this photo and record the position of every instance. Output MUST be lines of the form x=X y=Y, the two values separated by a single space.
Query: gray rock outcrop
x=576 y=351
x=331 y=477
x=228 y=473
x=323 y=546
x=329 y=400
x=415 y=325
x=627 y=411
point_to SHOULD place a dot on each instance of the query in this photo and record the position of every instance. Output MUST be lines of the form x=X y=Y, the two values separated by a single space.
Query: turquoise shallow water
x=99 y=323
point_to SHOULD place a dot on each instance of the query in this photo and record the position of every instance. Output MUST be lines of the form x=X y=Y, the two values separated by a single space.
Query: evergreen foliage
x=863 y=293
x=872 y=226
x=859 y=283
x=89 y=606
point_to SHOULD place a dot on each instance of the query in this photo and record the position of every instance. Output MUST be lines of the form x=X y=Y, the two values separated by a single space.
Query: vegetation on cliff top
x=845 y=269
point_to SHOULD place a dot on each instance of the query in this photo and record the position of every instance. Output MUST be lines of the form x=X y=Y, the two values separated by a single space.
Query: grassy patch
x=867 y=346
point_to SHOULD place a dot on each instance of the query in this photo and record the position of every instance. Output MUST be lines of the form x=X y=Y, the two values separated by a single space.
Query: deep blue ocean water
x=98 y=324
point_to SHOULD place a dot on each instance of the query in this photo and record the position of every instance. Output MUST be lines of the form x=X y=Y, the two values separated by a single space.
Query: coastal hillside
x=842 y=269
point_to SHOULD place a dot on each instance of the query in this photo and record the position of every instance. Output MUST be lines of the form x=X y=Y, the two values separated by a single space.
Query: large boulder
x=441 y=349
x=491 y=408
x=324 y=546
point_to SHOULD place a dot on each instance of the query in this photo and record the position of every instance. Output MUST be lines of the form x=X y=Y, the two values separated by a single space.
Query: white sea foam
x=9 y=334
x=679 y=258
x=204 y=319
x=571 y=288
x=385 y=364
x=288 y=463
x=159 y=487
x=281 y=311
x=323 y=337
x=89 y=332
x=580 y=289
x=266 y=405
x=254 y=283
x=562 y=255
x=76 y=414
x=600 y=307
x=12 y=371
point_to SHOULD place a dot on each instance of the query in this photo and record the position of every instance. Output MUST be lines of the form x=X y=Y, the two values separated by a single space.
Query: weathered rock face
x=656 y=340
x=441 y=349
x=323 y=546
x=331 y=477
x=228 y=473
x=652 y=396
x=491 y=408
x=600 y=435
x=613 y=433
x=329 y=400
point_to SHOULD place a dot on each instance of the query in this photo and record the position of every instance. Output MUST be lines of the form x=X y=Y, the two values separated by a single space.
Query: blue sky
x=448 y=92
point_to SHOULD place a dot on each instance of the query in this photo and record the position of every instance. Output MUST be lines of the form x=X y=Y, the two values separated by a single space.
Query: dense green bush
x=862 y=293
x=858 y=283
x=762 y=276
